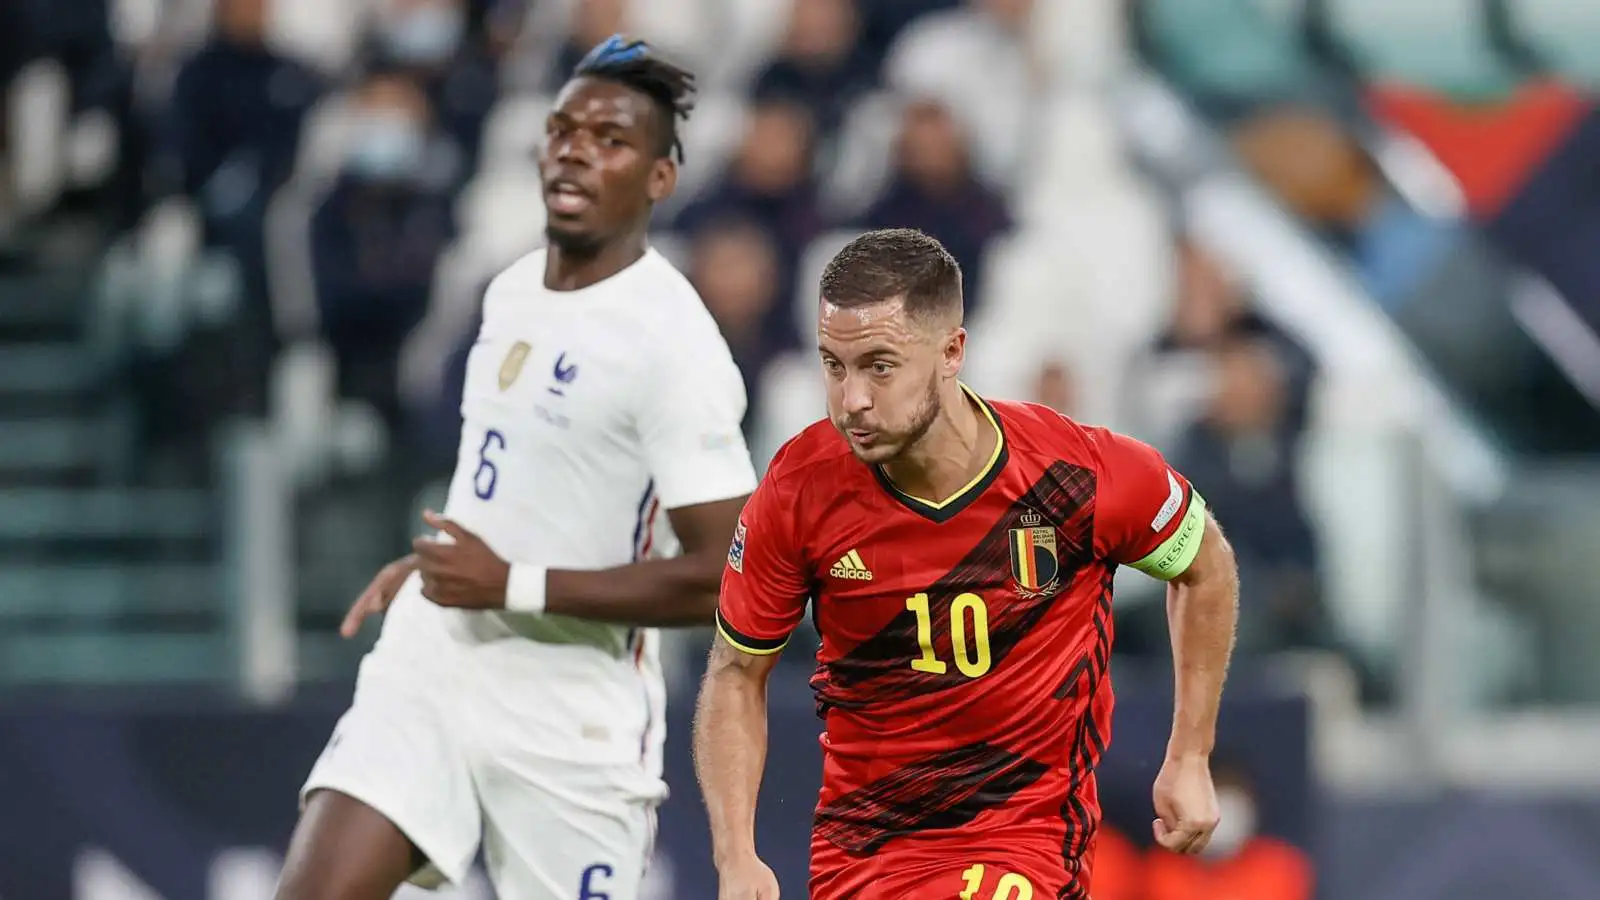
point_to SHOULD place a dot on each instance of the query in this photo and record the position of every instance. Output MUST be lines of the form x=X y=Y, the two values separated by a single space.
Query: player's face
x=884 y=371
x=599 y=165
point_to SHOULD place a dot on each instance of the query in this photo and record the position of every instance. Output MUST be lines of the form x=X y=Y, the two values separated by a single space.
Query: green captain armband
x=1173 y=557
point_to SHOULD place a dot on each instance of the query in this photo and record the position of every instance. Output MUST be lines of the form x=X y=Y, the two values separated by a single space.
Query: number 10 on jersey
x=970 y=647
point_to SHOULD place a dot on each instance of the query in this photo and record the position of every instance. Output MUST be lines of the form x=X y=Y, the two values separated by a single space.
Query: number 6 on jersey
x=487 y=476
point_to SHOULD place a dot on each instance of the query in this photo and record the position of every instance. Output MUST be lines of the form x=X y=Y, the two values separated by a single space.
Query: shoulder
x=522 y=278
x=670 y=300
x=671 y=322
x=1038 y=429
x=817 y=453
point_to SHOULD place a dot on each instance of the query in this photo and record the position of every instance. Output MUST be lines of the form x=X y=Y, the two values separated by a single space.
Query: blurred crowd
x=361 y=168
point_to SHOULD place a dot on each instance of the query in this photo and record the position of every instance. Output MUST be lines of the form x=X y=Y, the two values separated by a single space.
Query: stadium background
x=1335 y=257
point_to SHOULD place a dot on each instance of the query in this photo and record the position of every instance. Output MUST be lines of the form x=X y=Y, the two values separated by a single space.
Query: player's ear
x=663 y=179
x=955 y=351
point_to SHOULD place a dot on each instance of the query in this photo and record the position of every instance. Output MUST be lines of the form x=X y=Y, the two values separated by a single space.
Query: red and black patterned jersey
x=962 y=673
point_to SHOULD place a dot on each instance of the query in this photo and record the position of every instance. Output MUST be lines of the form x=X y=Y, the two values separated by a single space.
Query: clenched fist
x=1186 y=804
x=748 y=879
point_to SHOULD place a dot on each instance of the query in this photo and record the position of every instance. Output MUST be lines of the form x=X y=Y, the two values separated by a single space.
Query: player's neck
x=955 y=451
x=568 y=270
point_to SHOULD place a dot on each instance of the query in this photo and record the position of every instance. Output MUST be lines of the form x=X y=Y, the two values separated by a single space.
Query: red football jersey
x=962 y=675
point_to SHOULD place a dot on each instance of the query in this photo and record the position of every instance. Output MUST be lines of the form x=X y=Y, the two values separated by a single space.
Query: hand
x=1186 y=803
x=750 y=879
x=461 y=572
x=378 y=595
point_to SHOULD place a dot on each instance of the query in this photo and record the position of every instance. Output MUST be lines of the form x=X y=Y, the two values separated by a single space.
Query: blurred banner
x=190 y=798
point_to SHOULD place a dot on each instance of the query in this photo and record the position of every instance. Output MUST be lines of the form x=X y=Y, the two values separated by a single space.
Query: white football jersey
x=586 y=415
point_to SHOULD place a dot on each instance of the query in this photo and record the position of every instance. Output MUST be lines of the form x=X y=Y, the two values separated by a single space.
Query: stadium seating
x=1561 y=34
x=1228 y=48
x=1443 y=44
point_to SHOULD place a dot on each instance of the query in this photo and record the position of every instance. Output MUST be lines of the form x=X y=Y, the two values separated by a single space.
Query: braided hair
x=634 y=63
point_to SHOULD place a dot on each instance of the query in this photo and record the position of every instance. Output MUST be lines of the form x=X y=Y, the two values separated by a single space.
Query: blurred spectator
x=884 y=20
x=233 y=133
x=237 y=108
x=976 y=60
x=1329 y=179
x=375 y=239
x=1054 y=387
x=934 y=189
x=1238 y=863
x=101 y=143
x=592 y=22
x=735 y=267
x=820 y=64
x=770 y=182
x=426 y=39
x=1210 y=308
x=1243 y=457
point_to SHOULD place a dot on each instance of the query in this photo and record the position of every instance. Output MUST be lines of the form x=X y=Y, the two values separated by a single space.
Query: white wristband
x=525 y=587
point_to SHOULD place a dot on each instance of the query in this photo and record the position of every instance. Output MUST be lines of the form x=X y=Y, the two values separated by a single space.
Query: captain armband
x=1173 y=557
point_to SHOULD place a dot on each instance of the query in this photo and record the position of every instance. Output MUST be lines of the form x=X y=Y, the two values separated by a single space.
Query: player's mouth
x=862 y=437
x=565 y=197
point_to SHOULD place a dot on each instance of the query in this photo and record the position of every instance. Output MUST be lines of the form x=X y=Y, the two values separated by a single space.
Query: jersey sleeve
x=1147 y=516
x=764 y=585
x=690 y=426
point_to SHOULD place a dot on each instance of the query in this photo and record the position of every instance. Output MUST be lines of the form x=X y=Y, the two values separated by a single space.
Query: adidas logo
x=850 y=566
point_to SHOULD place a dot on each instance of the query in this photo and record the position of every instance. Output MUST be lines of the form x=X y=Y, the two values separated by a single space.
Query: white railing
x=259 y=562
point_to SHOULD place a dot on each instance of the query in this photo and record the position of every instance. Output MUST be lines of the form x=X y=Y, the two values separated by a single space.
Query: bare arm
x=730 y=748
x=657 y=592
x=1202 y=607
x=463 y=572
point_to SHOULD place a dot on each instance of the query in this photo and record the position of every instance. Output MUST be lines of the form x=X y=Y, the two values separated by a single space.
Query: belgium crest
x=512 y=367
x=1034 y=563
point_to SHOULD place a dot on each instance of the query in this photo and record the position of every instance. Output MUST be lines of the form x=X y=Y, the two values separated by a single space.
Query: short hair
x=635 y=64
x=894 y=263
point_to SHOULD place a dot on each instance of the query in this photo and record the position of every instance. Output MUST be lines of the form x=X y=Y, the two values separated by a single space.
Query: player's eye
x=832 y=366
x=882 y=368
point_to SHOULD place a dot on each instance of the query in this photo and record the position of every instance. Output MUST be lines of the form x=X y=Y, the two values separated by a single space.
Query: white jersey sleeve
x=690 y=425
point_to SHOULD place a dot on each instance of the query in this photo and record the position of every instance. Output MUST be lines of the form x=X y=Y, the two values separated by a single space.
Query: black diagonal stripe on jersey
x=1072 y=890
x=1063 y=494
x=1088 y=744
x=1069 y=685
x=1080 y=830
x=946 y=790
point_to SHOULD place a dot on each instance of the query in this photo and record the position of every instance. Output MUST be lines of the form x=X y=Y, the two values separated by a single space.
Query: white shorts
x=549 y=829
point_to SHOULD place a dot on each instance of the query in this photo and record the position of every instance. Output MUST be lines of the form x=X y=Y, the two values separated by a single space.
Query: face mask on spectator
x=425 y=34
x=1238 y=824
x=386 y=148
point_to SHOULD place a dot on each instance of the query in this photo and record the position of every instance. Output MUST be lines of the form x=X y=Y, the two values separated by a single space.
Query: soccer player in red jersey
x=957 y=554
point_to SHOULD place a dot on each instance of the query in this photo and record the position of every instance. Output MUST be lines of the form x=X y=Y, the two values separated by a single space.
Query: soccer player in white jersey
x=514 y=699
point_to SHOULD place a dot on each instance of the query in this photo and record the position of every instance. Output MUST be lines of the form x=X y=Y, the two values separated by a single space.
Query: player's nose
x=857 y=395
x=571 y=149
